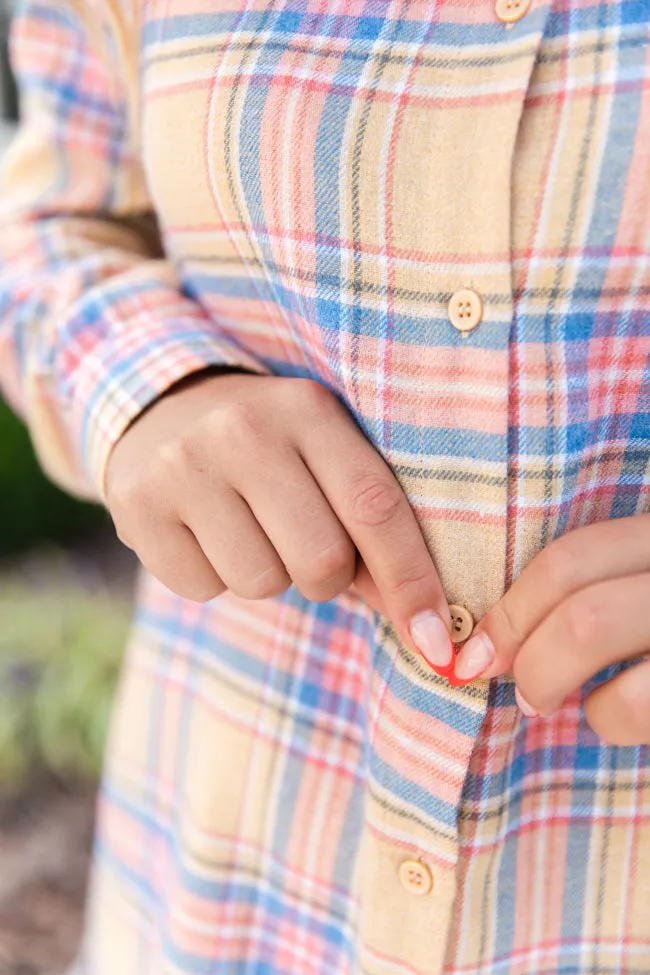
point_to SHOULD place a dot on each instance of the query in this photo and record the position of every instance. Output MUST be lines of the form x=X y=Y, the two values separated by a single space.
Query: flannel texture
x=325 y=176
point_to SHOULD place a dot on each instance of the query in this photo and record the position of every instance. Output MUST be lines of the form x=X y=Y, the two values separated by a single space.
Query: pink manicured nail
x=524 y=706
x=475 y=657
x=432 y=638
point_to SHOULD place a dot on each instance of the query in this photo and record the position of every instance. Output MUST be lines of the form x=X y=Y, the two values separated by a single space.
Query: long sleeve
x=94 y=324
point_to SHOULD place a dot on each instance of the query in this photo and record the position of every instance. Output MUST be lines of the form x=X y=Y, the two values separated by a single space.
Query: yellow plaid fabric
x=326 y=176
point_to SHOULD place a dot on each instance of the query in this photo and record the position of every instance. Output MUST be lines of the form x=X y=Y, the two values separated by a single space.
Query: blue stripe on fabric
x=579 y=842
x=330 y=142
x=426 y=700
x=576 y=20
x=309 y=690
x=579 y=434
x=255 y=286
x=635 y=458
x=584 y=321
x=339 y=897
x=602 y=234
x=442 y=442
x=279 y=909
x=428 y=441
x=582 y=759
x=640 y=425
x=349 y=837
x=410 y=792
x=46 y=14
x=310 y=681
x=477 y=789
x=181 y=27
x=68 y=94
x=614 y=173
x=263 y=62
x=265 y=943
x=578 y=325
x=331 y=315
x=242 y=892
x=307 y=698
x=106 y=854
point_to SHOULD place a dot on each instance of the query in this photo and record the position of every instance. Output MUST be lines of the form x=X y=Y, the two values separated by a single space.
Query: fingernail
x=475 y=657
x=432 y=638
x=524 y=706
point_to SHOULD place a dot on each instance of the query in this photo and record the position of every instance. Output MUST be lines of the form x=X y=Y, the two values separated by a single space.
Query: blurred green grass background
x=63 y=623
x=64 y=597
x=32 y=509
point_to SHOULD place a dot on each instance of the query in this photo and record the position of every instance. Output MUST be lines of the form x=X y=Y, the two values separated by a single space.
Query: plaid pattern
x=326 y=175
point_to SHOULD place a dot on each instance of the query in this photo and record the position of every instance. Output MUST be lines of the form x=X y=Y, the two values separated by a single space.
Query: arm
x=93 y=323
x=94 y=329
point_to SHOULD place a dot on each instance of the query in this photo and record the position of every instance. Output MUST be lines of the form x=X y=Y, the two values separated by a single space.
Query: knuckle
x=187 y=454
x=124 y=536
x=204 y=594
x=563 y=561
x=264 y=585
x=119 y=494
x=583 y=618
x=397 y=586
x=313 y=395
x=187 y=581
x=376 y=502
x=333 y=562
x=133 y=495
x=236 y=424
x=184 y=469
x=226 y=431
x=169 y=457
x=507 y=623
x=329 y=572
x=199 y=591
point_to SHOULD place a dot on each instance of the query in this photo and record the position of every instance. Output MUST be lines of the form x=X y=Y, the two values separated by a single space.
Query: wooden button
x=415 y=877
x=462 y=623
x=509 y=11
x=465 y=310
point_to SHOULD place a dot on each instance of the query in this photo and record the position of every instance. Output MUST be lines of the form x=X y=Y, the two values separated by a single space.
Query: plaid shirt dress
x=289 y=790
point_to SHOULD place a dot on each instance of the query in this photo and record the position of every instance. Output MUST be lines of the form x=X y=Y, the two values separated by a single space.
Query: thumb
x=619 y=710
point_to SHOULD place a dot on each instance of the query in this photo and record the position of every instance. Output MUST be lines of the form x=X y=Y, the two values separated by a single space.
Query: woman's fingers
x=605 y=550
x=300 y=525
x=377 y=516
x=619 y=711
x=595 y=627
x=248 y=563
x=365 y=586
x=312 y=492
x=175 y=558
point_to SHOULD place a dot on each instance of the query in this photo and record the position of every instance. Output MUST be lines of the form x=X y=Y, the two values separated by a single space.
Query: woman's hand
x=251 y=483
x=581 y=604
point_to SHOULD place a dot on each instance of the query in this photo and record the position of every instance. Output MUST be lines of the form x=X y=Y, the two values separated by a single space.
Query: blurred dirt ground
x=46 y=829
x=45 y=844
x=46 y=832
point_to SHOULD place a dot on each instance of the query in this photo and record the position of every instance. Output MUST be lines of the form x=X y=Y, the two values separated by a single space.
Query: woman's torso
x=327 y=177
